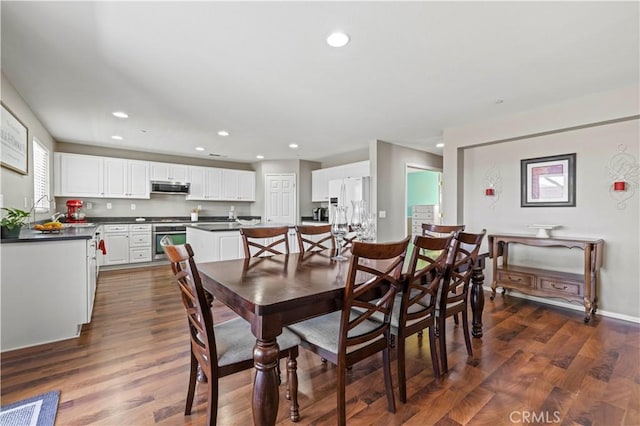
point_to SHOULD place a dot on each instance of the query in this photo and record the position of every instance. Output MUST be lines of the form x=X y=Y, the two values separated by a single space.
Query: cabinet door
x=230 y=245
x=229 y=185
x=169 y=172
x=213 y=184
x=320 y=184
x=197 y=190
x=246 y=186
x=79 y=175
x=115 y=178
x=117 y=246
x=138 y=179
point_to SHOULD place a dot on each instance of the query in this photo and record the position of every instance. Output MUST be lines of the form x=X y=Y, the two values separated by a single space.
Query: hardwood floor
x=535 y=364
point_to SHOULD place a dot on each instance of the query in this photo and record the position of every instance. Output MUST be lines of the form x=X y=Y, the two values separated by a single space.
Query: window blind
x=40 y=177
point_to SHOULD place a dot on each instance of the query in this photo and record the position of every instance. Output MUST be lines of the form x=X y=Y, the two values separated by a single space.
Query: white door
x=280 y=198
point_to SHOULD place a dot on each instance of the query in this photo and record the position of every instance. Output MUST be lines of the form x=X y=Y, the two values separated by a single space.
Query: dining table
x=273 y=292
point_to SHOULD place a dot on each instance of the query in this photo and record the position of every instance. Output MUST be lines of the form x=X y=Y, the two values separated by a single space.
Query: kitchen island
x=48 y=285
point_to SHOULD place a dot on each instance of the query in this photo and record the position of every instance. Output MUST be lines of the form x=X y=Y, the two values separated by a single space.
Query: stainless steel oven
x=177 y=232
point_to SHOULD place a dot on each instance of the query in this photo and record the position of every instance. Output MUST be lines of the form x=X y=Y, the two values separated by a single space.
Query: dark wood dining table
x=272 y=292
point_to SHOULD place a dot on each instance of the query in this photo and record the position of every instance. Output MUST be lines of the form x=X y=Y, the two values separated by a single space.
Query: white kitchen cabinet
x=206 y=183
x=140 y=243
x=293 y=241
x=126 y=178
x=320 y=178
x=230 y=245
x=78 y=175
x=211 y=246
x=47 y=291
x=168 y=172
x=238 y=185
x=116 y=238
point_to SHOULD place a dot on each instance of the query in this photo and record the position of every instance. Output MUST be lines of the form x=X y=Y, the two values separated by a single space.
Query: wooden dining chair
x=265 y=241
x=454 y=293
x=225 y=348
x=435 y=230
x=415 y=308
x=315 y=238
x=352 y=334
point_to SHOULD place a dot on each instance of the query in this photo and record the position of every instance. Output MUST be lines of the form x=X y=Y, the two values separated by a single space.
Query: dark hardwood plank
x=532 y=359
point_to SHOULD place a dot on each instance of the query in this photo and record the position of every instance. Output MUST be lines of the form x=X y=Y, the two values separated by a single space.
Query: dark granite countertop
x=70 y=233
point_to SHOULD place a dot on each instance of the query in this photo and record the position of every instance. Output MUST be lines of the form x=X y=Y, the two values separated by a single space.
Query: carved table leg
x=477 y=300
x=265 y=385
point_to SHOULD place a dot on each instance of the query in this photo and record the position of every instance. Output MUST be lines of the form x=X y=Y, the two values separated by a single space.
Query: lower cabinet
x=47 y=291
x=127 y=244
x=211 y=246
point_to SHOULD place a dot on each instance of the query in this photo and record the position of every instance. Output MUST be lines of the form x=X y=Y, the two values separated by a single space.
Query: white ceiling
x=262 y=70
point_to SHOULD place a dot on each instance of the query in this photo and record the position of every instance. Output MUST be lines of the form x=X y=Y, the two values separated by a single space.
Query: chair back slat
x=255 y=238
x=431 y=229
x=374 y=269
x=424 y=277
x=315 y=238
x=460 y=260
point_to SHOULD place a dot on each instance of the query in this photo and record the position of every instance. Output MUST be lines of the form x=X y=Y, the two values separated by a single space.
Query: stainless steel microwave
x=160 y=187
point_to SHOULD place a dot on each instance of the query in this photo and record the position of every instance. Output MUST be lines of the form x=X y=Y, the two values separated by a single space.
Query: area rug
x=36 y=411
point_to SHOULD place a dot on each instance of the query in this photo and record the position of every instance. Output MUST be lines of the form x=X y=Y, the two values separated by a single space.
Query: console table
x=581 y=288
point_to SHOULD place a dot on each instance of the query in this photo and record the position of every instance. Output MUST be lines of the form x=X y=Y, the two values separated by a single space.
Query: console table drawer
x=513 y=279
x=557 y=286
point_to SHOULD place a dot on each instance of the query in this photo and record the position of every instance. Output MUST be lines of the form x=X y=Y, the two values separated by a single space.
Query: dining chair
x=265 y=241
x=315 y=238
x=352 y=334
x=415 y=307
x=435 y=230
x=229 y=343
x=454 y=292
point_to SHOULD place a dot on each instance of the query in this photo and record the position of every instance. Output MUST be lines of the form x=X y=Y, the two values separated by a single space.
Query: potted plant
x=12 y=222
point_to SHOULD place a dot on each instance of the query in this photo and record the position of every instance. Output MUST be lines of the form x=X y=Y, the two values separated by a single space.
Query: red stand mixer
x=74 y=212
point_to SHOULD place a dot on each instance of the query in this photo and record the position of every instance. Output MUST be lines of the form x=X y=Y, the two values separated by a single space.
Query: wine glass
x=357 y=218
x=339 y=229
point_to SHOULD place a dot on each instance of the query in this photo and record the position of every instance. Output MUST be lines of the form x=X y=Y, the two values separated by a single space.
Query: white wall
x=15 y=187
x=388 y=172
x=579 y=126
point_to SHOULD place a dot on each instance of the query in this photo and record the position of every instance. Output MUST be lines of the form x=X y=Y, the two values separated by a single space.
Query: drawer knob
x=558 y=287
x=515 y=279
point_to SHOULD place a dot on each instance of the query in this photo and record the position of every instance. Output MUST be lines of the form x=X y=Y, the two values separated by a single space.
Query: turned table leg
x=477 y=296
x=265 y=385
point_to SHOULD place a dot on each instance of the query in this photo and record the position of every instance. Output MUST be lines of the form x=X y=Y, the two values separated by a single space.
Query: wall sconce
x=489 y=192
x=620 y=185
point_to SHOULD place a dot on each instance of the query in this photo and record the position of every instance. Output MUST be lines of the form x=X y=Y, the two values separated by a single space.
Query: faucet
x=56 y=216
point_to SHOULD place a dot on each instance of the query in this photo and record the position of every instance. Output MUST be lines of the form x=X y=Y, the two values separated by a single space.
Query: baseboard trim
x=567 y=305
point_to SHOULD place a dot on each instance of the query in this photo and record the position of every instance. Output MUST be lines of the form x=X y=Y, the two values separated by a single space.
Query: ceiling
x=262 y=70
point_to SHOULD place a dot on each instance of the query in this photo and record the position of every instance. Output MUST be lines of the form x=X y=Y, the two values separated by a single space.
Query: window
x=40 y=177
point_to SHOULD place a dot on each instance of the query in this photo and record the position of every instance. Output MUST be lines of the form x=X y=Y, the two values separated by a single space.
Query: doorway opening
x=423 y=197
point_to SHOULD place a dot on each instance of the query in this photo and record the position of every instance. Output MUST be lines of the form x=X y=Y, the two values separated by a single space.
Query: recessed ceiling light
x=440 y=145
x=116 y=137
x=199 y=148
x=338 y=39
x=293 y=145
x=120 y=114
x=259 y=157
x=223 y=133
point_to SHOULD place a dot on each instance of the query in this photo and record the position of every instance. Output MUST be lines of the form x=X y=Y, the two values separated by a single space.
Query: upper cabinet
x=78 y=175
x=126 y=178
x=206 y=183
x=104 y=177
x=169 y=172
x=320 y=178
x=100 y=177
x=238 y=185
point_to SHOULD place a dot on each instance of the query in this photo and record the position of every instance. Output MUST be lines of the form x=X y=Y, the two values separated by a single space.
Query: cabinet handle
x=557 y=287
x=514 y=279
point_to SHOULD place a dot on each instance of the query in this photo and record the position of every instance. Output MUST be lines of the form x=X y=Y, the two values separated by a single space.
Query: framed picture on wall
x=14 y=138
x=548 y=181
